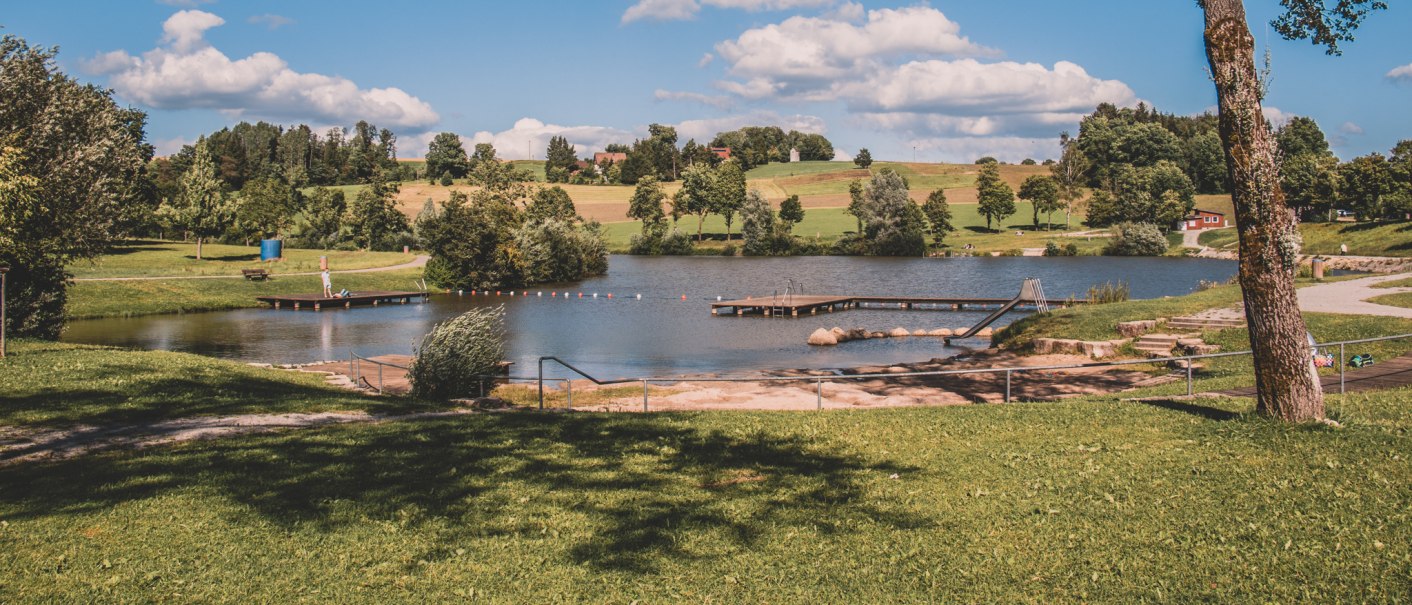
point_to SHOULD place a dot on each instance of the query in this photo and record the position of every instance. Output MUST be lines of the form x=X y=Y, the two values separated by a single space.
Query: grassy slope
x=146 y=258
x=1092 y=500
x=147 y=297
x=827 y=224
x=1365 y=239
x=1401 y=299
x=53 y=384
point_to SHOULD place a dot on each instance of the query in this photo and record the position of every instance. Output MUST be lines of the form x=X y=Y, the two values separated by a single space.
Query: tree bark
x=198 y=248
x=1287 y=383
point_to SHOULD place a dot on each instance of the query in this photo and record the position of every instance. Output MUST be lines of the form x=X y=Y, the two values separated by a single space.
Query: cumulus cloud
x=185 y=3
x=1350 y=128
x=706 y=59
x=1402 y=73
x=704 y=130
x=680 y=10
x=804 y=54
x=1277 y=117
x=188 y=73
x=1006 y=149
x=270 y=20
x=529 y=137
x=717 y=101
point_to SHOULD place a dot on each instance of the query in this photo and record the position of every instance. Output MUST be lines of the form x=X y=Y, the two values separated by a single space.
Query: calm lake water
x=661 y=334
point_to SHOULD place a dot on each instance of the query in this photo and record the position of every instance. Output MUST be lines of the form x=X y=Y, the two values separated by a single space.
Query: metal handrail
x=1008 y=371
x=570 y=384
x=355 y=370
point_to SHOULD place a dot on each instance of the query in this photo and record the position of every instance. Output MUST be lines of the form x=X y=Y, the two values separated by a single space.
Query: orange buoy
x=610 y=295
x=683 y=297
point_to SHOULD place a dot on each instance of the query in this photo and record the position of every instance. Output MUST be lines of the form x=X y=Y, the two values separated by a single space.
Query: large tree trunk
x=198 y=247
x=1288 y=387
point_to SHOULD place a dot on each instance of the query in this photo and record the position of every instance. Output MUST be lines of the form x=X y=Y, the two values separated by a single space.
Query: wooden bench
x=255 y=274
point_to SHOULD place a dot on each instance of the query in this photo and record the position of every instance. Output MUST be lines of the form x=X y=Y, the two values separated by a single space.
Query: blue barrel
x=271 y=249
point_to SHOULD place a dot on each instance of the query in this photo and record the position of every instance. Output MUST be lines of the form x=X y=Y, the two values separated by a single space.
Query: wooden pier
x=319 y=302
x=805 y=304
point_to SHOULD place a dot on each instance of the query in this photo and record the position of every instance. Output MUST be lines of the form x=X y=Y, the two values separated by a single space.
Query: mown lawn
x=57 y=384
x=153 y=258
x=92 y=299
x=1400 y=299
x=1092 y=500
x=1363 y=239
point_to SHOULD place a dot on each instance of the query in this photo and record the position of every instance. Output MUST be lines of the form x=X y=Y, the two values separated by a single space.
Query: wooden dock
x=319 y=302
x=804 y=304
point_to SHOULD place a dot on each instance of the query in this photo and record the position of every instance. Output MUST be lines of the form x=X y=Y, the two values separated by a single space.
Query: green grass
x=148 y=258
x=53 y=384
x=1363 y=239
x=788 y=169
x=1083 y=501
x=149 y=297
x=828 y=224
x=1400 y=299
x=535 y=168
x=1221 y=239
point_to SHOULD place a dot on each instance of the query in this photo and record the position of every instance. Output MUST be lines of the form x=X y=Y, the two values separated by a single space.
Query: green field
x=779 y=170
x=828 y=224
x=1400 y=299
x=1220 y=239
x=149 y=297
x=1094 y=499
x=1363 y=239
x=150 y=258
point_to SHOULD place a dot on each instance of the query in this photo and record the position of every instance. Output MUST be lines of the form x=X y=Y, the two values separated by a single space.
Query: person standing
x=328 y=284
x=1343 y=249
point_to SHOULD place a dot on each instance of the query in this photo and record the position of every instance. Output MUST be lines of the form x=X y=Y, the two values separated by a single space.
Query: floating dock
x=805 y=304
x=319 y=302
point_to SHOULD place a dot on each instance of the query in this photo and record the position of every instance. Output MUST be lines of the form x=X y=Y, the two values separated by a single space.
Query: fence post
x=1341 y=369
x=541 y=384
x=1188 y=377
x=1007 y=386
x=379 y=379
x=821 y=393
x=644 y=394
x=569 y=388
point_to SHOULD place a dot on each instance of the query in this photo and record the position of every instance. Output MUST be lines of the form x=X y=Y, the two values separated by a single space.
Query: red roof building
x=1202 y=219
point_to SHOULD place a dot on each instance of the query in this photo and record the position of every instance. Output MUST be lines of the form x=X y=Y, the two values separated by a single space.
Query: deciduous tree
x=446 y=155
x=863 y=159
x=1043 y=195
x=938 y=214
x=996 y=198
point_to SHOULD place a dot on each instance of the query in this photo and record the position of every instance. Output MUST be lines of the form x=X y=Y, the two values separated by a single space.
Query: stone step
x=1202 y=323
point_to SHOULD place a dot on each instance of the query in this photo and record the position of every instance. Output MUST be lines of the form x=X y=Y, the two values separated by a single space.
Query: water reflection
x=661 y=334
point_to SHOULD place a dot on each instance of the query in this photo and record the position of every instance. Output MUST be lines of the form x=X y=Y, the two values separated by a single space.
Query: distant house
x=722 y=152
x=1202 y=219
x=604 y=158
x=794 y=155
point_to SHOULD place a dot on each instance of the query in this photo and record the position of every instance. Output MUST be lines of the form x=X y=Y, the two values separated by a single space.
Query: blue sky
x=948 y=81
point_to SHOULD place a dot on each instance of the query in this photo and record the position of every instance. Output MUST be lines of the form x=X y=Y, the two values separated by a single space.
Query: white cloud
x=970 y=88
x=167 y=147
x=1350 y=128
x=804 y=54
x=717 y=101
x=706 y=59
x=965 y=150
x=185 y=3
x=1403 y=73
x=1277 y=117
x=704 y=130
x=529 y=137
x=680 y=10
x=188 y=73
x=270 y=20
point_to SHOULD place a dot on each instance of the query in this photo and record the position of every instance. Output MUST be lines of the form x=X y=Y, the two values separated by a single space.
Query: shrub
x=1053 y=249
x=456 y=359
x=661 y=243
x=1108 y=292
x=1136 y=239
x=446 y=179
x=729 y=250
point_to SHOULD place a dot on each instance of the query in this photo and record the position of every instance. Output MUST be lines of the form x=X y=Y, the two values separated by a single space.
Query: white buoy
x=460 y=293
x=639 y=297
x=595 y=295
x=539 y=294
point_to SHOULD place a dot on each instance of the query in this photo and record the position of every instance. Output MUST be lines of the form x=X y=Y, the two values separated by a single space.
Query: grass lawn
x=57 y=384
x=1088 y=500
x=148 y=297
x=149 y=258
x=828 y=224
x=788 y=169
x=1400 y=299
x=1220 y=239
x=1363 y=239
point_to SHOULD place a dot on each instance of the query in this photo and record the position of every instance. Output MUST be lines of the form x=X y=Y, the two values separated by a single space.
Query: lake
x=661 y=334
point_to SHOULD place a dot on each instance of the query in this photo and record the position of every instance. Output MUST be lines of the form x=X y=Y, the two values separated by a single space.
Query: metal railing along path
x=1009 y=372
x=355 y=371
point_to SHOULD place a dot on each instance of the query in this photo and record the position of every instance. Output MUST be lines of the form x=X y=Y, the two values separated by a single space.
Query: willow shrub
x=456 y=359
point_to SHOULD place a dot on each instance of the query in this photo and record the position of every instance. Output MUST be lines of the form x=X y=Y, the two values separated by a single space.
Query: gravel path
x=419 y=261
x=1351 y=297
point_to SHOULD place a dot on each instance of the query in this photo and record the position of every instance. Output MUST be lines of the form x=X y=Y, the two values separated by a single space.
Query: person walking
x=328 y=284
x=1343 y=249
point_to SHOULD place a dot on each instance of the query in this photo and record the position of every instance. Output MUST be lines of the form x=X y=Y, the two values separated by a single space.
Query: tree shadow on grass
x=1187 y=407
x=642 y=488
x=230 y=258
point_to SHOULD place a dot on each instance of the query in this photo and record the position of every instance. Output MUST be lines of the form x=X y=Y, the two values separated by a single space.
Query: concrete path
x=1350 y=297
x=1192 y=239
x=419 y=261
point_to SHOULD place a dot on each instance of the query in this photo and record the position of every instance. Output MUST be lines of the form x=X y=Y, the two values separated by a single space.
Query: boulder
x=1187 y=343
x=919 y=332
x=899 y=333
x=839 y=334
x=858 y=334
x=823 y=338
x=940 y=332
x=1134 y=329
x=1202 y=349
x=1048 y=346
x=877 y=334
x=1098 y=349
x=985 y=332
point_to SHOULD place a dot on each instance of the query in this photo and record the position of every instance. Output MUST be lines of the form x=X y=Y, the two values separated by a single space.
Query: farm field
x=155 y=258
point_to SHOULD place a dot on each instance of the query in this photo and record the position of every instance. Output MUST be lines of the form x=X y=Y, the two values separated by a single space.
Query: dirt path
x=26 y=445
x=419 y=261
x=1351 y=297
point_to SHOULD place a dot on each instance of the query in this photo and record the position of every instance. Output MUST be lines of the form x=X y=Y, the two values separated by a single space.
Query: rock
x=1064 y=346
x=1098 y=349
x=1202 y=349
x=940 y=332
x=823 y=338
x=877 y=335
x=1134 y=329
x=985 y=332
x=1187 y=343
x=858 y=334
x=899 y=333
x=839 y=334
x=919 y=332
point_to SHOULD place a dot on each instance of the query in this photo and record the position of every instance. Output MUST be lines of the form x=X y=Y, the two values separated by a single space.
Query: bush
x=1136 y=239
x=675 y=243
x=446 y=179
x=458 y=357
x=1053 y=249
x=1108 y=292
x=729 y=250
